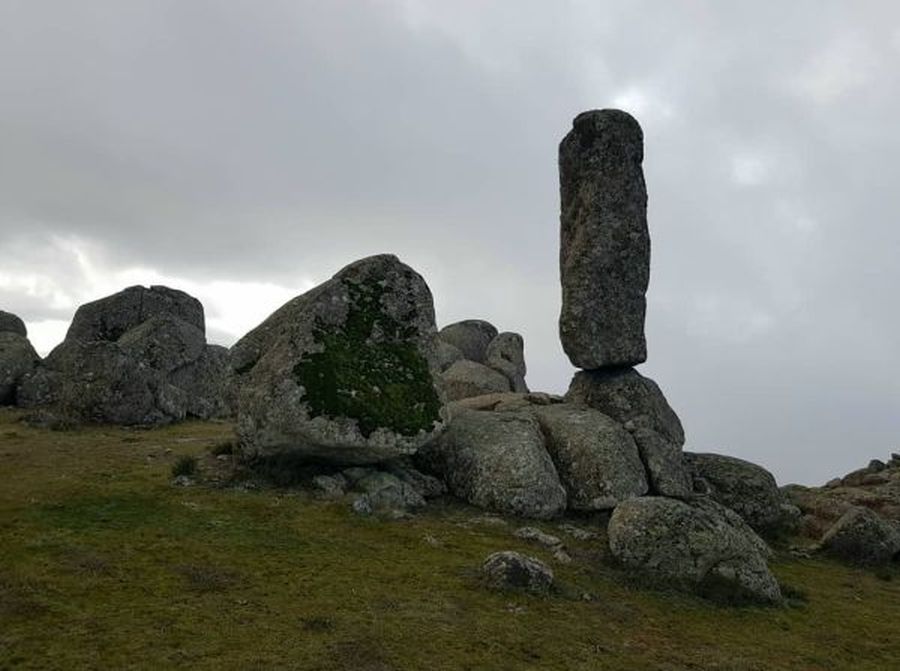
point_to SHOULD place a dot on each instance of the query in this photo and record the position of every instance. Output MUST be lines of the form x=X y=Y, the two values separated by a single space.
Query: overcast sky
x=244 y=151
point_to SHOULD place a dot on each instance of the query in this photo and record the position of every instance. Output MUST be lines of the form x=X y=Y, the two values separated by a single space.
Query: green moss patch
x=370 y=370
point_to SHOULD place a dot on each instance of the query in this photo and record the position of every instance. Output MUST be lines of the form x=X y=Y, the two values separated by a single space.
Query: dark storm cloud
x=220 y=143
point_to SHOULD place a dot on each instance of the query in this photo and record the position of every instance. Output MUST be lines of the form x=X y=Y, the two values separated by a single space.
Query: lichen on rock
x=369 y=370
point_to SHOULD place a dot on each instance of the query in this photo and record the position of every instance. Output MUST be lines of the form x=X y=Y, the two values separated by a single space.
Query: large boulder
x=465 y=379
x=747 y=489
x=345 y=373
x=136 y=357
x=638 y=403
x=605 y=242
x=596 y=458
x=111 y=317
x=17 y=361
x=471 y=337
x=10 y=323
x=506 y=354
x=98 y=382
x=164 y=342
x=664 y=462
x=496 y=460
x=208 y=384
x=698 y=546
x=447 y=354
x=629 y=398
x=861 y=536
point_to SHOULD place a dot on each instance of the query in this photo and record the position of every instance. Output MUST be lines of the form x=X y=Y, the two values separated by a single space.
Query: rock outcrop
x=876 y=487
x=699 y=546
x=98 y=382
x=136 y=357
x=476 y=360
x=344 y=373
x=605 y=242
x=496 y=460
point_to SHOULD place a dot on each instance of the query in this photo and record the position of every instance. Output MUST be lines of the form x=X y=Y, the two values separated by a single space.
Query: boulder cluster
x=354 y=378
x=138 y=357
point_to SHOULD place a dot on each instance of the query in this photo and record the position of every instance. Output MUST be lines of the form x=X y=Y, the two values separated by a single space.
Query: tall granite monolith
x=605 y=243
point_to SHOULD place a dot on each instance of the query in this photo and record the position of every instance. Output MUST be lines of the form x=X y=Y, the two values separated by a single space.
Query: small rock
x=357 y=473
x=362 y=505
x=427 y=486
x=488 y=521
x=182 y=481
x=577 y=533
x=560 y=555
x=538 y=536
x=513 y=570
x=330 y=486
x=387 y=493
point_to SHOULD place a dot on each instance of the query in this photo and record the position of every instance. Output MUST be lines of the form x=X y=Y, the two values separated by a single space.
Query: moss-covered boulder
x=344 y=373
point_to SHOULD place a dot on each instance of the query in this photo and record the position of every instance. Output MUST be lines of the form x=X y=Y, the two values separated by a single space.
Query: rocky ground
x=110 y=561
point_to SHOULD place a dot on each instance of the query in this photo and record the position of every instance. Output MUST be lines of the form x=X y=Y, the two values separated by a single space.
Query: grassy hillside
x=106 y=565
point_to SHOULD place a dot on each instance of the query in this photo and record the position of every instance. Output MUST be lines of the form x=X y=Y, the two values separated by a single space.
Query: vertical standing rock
x=605 y=244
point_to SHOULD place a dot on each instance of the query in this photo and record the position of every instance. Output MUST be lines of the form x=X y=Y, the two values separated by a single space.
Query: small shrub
x=186 y=465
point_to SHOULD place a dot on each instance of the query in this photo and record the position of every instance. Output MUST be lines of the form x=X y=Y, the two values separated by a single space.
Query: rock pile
x=137 y=357
x=475 y=359
x=605 y=271
x=855 y=518
x=674 y=535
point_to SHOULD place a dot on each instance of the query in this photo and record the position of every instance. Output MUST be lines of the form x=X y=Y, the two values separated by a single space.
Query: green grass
x=106 y=565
